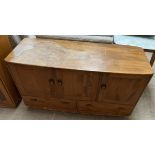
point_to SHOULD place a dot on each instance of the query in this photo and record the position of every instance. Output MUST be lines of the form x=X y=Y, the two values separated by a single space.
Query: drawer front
x=108 y=109
x=4 y=97
x=50 y=104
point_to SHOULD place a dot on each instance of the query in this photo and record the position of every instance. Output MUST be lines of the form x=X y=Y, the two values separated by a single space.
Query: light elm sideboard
x=80 y=77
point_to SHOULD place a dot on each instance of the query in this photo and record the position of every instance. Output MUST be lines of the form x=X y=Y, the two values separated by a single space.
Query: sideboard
x=79 y=77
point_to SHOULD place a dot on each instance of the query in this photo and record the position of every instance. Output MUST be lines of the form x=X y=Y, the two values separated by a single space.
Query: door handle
x=89 y=105
x=59 y=82
x=104 y=86
x=51 y=81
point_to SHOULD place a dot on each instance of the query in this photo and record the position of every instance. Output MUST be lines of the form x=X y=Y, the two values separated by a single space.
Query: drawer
x=50 y=104
x=97 y=108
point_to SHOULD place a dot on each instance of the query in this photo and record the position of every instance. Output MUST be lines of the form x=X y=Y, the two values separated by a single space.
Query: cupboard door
x=4 y=97
x=78 y=85
x=123 y=89
x=35 y=81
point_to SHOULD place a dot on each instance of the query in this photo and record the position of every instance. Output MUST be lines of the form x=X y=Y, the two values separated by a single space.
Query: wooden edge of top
x=106 y=72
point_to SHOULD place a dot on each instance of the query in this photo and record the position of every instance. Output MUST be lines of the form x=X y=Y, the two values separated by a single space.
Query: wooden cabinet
x=9 y=96
x=88 y=78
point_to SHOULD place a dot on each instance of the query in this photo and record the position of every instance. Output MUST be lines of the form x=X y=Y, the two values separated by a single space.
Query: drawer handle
x=89 y=105
x=33 y=99
x=104 y=86
x=121 y=109
x=59 y=82
x=64 y=102
x=52 y=82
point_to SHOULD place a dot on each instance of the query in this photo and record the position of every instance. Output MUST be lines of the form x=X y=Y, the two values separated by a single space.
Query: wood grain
x=51 y=104
x=55 y=83
x=81 y=56
x=68 y=76
x=5 y=100
x=121 y=89
x=7 y=82
x=107 y=109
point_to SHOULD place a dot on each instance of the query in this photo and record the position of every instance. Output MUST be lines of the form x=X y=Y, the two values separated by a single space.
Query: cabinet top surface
x=78 y=55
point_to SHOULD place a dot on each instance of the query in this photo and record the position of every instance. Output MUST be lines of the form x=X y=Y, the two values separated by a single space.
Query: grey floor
x=144 y=110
